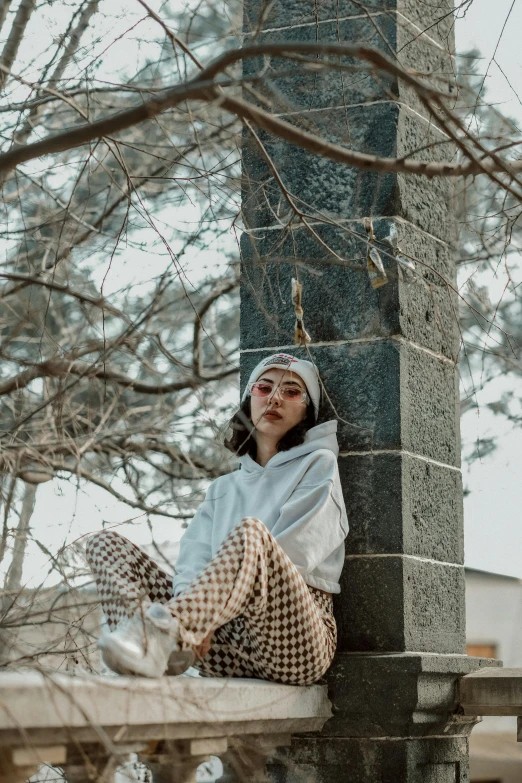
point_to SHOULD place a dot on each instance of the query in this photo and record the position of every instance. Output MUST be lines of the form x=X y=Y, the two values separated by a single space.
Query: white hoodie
x=297 y=495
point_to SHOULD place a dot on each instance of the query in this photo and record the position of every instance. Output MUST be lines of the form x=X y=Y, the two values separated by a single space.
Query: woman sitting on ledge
x=250 y=598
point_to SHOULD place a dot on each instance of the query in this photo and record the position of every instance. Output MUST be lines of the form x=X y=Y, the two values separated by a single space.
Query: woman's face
x=271 y=415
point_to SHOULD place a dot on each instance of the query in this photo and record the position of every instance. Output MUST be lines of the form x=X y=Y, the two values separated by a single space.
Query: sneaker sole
x=179 y=662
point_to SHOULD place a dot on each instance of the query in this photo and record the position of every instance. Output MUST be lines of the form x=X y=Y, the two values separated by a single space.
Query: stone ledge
x=41 y=706
x=399 y=695
x=491 y=692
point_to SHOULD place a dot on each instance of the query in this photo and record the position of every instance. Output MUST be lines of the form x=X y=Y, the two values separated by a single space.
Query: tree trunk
x=4 y=8
x=25 y=9
x=13 y=579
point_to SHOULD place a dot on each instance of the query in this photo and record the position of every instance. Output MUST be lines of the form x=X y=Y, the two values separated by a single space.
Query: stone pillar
x=246 y=757
x=388 y=359
x=177 y=761
x=86 y=762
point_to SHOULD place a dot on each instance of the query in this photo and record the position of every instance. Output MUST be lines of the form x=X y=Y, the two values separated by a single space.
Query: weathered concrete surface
x=41 y=706
x=399 y=503
x=384 y=760
x=399 y=695
x=89 y=724
x=337 y=295
x=388 y=360
x=395 y=604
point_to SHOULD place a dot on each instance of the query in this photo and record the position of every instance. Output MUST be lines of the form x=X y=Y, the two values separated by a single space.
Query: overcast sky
x=493 y=512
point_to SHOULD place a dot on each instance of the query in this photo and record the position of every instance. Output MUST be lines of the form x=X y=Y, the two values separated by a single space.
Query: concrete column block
x=394 y=603
x=317 y=183
x=338 y=300
x=397 y=503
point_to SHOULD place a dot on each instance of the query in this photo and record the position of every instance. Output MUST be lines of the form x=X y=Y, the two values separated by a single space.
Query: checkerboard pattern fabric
x=267 y=622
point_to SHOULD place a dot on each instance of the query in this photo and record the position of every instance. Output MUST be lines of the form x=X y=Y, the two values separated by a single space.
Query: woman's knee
x=255 y=530
x=103 y=539
x=252 y=523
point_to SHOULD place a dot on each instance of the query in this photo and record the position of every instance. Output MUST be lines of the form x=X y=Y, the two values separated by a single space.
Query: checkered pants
x=267 y=622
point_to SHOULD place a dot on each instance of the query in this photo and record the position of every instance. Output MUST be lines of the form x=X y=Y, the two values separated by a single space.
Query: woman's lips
x=272 y=415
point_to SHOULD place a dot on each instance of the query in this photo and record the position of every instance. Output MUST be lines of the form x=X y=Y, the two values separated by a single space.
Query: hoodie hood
x=322 y=436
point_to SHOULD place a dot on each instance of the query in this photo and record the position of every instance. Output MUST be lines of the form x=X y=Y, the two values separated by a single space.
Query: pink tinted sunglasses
x=288 y=393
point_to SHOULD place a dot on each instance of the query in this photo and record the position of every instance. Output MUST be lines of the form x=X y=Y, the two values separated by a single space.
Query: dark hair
x=242 y=440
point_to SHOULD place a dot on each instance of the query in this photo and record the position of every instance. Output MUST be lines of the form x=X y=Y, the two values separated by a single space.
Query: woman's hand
x=202 y=649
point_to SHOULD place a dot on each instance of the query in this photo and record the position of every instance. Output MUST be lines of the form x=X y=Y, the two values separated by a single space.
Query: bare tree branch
x=62 y=289
x=57 y=368
x=203 y=87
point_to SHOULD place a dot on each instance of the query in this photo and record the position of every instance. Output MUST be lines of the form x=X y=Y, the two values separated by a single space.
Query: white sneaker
x=146 y=644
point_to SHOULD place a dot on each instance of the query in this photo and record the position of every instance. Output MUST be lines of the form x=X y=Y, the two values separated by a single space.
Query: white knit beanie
x=306 y=370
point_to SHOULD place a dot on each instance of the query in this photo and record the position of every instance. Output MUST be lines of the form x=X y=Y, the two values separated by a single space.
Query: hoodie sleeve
x=195 y=549
x=313 y=523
